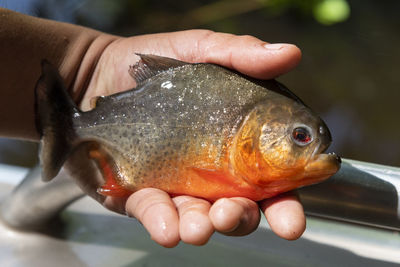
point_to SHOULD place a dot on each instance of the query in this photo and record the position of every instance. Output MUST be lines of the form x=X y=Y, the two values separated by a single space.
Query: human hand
x=190 y=219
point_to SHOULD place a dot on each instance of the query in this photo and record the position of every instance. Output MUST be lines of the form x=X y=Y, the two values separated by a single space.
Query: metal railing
x=360 y=192
x=34 y=203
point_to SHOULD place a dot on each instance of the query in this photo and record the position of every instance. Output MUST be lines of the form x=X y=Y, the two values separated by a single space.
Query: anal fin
x=111 y=187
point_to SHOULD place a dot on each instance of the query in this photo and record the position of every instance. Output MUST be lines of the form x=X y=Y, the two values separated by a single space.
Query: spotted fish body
x=184 y=129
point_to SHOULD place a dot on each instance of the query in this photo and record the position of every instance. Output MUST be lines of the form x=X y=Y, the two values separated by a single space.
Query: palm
x=186 y=218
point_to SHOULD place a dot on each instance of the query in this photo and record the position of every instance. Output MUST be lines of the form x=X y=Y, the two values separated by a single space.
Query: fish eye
x=302 y=136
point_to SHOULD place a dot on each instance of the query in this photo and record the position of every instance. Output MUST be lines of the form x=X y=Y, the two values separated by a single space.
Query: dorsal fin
x=96 y=100
x=277 y=87
x=150 y=65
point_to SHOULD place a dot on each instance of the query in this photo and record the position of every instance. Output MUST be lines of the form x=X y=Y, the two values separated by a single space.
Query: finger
x=195 y=226
x=116 y=204
x=285 y=215
x=246 y=54
x=235 y=216
x=156 y=211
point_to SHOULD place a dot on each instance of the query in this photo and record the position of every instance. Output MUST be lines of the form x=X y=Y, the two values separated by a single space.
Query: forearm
x=24 y=42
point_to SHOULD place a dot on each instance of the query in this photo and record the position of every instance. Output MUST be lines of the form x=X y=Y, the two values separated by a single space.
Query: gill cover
x=264 y=147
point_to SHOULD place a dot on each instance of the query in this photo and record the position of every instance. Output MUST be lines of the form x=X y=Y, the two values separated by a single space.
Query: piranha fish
x=188 y=129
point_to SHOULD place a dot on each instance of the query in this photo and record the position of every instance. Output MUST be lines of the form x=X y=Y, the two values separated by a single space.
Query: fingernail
x=275 y=46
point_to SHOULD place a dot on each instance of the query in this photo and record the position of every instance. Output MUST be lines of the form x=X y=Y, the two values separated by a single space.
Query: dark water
x=349 y=73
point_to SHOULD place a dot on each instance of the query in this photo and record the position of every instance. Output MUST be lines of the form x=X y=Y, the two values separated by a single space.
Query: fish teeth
x=337 y=157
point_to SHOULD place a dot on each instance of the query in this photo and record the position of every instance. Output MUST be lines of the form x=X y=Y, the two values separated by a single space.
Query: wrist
x=24 y=42
x=78 y=71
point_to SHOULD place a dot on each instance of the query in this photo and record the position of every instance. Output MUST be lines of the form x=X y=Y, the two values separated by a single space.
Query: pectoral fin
x=213 y=176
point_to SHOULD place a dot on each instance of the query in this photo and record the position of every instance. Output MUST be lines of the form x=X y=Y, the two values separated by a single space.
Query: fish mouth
x=322 y=166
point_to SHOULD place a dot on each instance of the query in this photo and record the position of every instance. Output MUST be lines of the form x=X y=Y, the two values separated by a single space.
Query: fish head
x=281 y=144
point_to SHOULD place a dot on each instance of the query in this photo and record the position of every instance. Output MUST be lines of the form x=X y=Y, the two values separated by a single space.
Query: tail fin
x=54 y=114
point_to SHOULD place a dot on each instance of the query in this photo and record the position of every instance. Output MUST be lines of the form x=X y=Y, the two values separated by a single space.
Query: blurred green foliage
x=157 y=15
x=326 y=12
x=348 y=74
x=331 y=11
